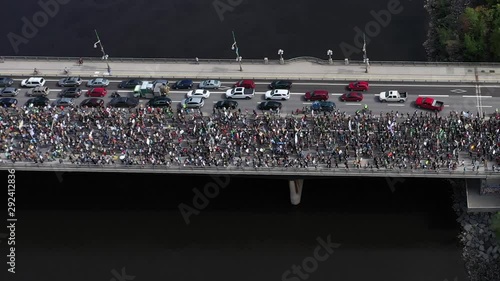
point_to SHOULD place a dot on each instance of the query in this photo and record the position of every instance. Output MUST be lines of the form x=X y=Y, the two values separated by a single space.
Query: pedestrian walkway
x=294 y=69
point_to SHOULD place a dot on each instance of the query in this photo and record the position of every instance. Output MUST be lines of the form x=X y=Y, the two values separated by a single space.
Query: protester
x=154 y=136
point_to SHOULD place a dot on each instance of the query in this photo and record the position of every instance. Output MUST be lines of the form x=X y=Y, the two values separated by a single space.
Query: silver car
x=70 y=82
x=98 y=82
x=193 y=102
x=210 y=84
x=9 y=92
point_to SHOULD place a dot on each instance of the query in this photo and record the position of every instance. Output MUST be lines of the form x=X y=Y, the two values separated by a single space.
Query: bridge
x=462 y=86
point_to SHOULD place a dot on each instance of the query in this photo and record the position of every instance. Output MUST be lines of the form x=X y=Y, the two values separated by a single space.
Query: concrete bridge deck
x=304 y=68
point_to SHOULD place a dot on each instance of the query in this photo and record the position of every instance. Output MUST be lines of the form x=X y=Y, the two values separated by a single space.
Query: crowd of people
x=236 y=138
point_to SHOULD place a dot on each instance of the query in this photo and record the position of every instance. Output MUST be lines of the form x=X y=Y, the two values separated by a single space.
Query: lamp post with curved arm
x=236 y=50
x=104 y=55
x=329 y=53
x=280 y=53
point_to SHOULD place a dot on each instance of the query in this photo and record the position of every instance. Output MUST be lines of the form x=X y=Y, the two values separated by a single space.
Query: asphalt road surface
x=194 y=28
x=456 y=97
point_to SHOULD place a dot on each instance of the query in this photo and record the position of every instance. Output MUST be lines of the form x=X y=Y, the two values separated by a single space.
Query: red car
x=358 y=86
x=429 y=103
x=316 y=95
x=247 y=84
x=97 y=92
x=352 y=96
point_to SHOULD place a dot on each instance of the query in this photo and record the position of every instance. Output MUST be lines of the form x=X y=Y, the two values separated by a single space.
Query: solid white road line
x=477 y=96
x=348 y=103
x=437 y=96
x=395 y=104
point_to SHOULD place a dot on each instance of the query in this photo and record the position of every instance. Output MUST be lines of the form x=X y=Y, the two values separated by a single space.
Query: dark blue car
x=183 y=84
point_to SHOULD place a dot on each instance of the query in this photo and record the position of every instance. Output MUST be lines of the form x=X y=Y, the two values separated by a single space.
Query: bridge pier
x=296 y=190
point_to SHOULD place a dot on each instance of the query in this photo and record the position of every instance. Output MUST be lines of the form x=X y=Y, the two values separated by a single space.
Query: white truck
x=392 y=96
x=240 y=93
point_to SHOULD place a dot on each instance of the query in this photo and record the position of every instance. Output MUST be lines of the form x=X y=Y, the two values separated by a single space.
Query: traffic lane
x=335 y=88
x=229 y=83
x=296 y=99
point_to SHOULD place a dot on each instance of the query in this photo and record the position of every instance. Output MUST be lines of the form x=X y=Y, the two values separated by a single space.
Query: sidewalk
x=294 y=70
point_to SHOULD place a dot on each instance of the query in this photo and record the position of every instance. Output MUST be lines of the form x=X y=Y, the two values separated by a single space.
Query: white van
x=33 y=82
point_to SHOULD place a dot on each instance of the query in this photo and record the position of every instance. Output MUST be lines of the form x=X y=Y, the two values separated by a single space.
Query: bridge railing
x=249 y=61
x=117 y=167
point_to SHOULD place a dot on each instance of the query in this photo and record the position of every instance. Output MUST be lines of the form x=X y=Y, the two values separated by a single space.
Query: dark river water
x=395 y=29
x=91 y=226
x=119 y=226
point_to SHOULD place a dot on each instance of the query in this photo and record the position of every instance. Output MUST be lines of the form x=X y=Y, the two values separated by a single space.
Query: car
x=70 y=82
x=160 y=82
x=199 y=93
x=248 y=84
x=129 y=84
x=38 y=102
x=38 y=91
x=429 y=103
x=8 y=102
x=98 y=83
x=277 y=95
x=240 y=93
x=183 y=84
x=63 y=102
x=97 y=92
x=210 y=84
x=327 y=106
x=159 y=102
x=316 y=95
x=280 y=84
x=358 y=86
x=92 y=102
x=226 y=104
x=71 y=93
x=6 y=81
x=9 y=92
x=352 y=96
x=124 y=102
x=269 y=105
x=33 y=82
x=193 y=102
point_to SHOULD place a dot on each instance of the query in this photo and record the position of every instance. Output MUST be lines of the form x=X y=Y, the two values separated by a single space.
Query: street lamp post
x=329 y=53
x=235 y=48
x=280 y=53
x=104 y=55
x=366 y=60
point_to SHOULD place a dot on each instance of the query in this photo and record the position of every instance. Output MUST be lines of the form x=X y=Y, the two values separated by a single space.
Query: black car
x=71 y=93
x=270 y=105
x=130 y=84
x=159 y=102
x=92 y=102
x=281 y=84
x=8 y=102
x=328 y=106
x=226 y=104
x=6 y=81
x=38 y=101
x=183 y=84
x=124 y=102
